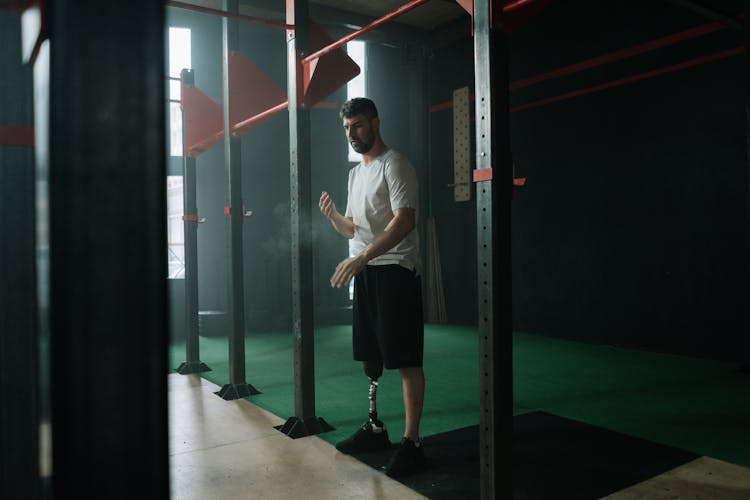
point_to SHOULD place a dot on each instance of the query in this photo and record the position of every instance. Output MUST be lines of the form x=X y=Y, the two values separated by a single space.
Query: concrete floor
x=702 y=479
x=227 y=450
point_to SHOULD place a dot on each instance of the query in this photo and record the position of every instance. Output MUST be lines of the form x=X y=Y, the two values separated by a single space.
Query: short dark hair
x=359 y=106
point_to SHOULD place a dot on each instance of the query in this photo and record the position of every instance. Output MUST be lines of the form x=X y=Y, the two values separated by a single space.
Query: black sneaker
x=409 y=458
x=367 y=438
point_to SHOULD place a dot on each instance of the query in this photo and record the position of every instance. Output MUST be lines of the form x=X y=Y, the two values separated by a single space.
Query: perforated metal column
x=746 y=364
x=493 y=255
x=304 y=422
x=237 y=386
x=193 y=363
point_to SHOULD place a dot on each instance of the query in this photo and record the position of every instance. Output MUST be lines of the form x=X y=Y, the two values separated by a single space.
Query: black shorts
x=388 y=323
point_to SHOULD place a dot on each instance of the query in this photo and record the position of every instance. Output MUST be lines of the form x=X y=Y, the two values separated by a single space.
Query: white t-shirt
x=375 y=190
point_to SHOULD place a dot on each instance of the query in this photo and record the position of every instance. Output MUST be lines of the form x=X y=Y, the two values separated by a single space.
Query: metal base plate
x=230 y=392
x=187 y=368
x=295 y=427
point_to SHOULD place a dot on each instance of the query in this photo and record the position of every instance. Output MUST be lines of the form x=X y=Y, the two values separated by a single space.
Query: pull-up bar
x=231 y=15
x=509 y=7
x=263 y=114
x=516 y=4
x=355 y=34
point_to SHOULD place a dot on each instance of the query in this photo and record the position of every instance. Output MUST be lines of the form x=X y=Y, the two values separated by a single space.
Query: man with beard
x=388 y=328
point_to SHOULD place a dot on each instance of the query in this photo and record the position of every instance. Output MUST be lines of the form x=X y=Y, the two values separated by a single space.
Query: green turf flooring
x=696 y=405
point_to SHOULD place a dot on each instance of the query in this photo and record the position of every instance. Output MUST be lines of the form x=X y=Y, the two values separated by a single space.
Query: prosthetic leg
x=374 y=370
x=372 y=435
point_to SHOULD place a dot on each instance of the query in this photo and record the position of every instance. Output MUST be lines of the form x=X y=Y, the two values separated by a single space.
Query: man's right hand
x=343 y=225
x=326 y=205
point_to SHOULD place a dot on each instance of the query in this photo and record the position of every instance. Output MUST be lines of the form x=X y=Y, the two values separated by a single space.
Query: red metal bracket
x=324 y=74
x=253 y=98
x=245 y=214
x=482 y=174
x=203 y=122
x=251 y=93
x=193 y=218
x=485 y=174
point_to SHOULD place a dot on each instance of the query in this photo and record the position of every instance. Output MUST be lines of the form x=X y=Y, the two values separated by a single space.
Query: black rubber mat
x=554 y=458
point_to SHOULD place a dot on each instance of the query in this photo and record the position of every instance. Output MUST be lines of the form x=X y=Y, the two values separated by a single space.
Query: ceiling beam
x=340 y=22
x=708 y=13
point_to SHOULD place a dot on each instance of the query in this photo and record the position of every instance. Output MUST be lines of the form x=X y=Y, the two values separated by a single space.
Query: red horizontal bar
x=620 y=54
x=517 y=4
x=441 y=106
x=259 y=116
x=355 y=34
x=11 y=135
x=695 y=32
x=231 y=15
x=631 y=79
x=201 y=146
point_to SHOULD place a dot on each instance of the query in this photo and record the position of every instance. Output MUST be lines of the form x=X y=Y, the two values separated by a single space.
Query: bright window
x=357 y=86
x=175 y=228
x=179 y=59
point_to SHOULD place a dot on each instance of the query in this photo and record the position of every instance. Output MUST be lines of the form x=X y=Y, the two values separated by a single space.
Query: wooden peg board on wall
x=461 y=145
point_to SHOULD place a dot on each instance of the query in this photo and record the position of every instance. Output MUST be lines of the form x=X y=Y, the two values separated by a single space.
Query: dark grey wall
x=632 y=228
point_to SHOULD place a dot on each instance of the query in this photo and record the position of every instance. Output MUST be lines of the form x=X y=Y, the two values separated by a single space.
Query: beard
x=363 y=144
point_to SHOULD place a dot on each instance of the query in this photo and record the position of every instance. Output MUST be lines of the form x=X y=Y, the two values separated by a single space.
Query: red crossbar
x=231 y=15
x=516 y=4
x=355 y=34
x=701 y=30
x=631 y=79
x=263 y=114
x=691 y=33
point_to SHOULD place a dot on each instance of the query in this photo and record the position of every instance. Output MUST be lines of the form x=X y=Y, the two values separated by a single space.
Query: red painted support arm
x=516 y=4
x=239 y=127
x=351 y=36
x=231 y=15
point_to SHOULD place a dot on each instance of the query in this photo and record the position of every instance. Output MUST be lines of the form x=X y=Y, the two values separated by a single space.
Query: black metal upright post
x=190 y=219
x=745 y=367
x=20 y=393
x=107 y=241
x=494 y=181
x=237 y=386
x=304 y=422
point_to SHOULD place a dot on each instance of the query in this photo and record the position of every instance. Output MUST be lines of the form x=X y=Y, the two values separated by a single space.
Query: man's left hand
x=346 y=270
